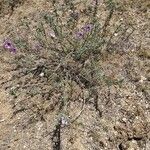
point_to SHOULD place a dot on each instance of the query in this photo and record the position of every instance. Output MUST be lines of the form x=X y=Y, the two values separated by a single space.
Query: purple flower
x=87 y=28
x=79 y=35
x=95 y=2
x=13 y=50
x=9 y=45
x=84 y=30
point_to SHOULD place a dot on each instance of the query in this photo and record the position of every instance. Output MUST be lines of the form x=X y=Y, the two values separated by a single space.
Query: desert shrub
x=61 y=50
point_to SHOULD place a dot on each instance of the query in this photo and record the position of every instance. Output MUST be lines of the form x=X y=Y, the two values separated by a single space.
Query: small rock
x=41 y=74
x=124 y=119
x=115 y=34
x=142 y=79
x=133 y=145
x=64 y=121
x=129 y=145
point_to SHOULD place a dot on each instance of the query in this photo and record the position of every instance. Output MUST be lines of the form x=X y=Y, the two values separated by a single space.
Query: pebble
x=41 y=74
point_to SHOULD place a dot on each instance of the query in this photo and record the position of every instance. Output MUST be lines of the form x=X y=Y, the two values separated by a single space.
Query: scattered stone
x=41 y=74
x=129 y=145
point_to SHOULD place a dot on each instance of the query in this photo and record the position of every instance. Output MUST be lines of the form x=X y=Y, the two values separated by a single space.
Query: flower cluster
x=84 y=30
x=10 y=46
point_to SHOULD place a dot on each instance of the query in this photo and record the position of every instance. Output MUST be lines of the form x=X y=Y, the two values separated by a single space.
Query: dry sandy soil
x=114 y=117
